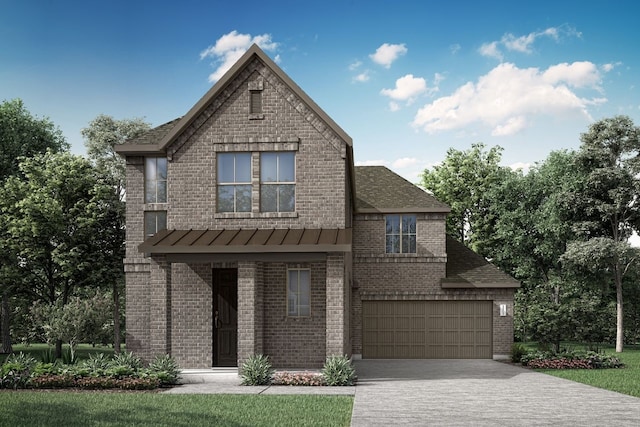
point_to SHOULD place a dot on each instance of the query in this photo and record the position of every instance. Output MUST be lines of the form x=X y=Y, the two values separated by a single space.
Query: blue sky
x=406 y=79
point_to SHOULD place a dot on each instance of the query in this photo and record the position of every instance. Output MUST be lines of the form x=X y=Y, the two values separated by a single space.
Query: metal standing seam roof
x=248 y=241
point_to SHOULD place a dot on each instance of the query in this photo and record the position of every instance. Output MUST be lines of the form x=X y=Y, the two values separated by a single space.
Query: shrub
x=127 y=359
x=96 y=383
x=165 y=369
x=517 y=351
x=298 y=378
x=138 y=383
x=256 y=370
x=48 y=355
x=45 y=369
x=338 y=371
x=570 y=360
x=52 y=381
x=96 y=365
x=16 y=371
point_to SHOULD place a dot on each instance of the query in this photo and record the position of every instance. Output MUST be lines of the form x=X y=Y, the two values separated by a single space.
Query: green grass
x=24 y=408
x=82 y=350
x=625 y=380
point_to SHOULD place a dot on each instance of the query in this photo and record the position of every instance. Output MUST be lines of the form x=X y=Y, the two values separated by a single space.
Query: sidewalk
x=227 y=381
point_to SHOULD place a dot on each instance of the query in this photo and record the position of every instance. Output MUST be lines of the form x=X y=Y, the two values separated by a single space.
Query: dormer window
x=400 y=234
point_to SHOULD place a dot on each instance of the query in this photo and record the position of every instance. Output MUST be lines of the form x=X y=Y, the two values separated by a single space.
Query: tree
x=79 y=320
x=101 y=136
x=531 y=232
x=58 y=217
x=21 y=135
x=461 y=181
x=605 y=204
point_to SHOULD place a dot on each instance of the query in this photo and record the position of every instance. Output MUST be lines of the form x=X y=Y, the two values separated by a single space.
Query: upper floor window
x=234 y=182
x=298 y=292
x=400 y=234
x=278 y=182
x=155 y=180
x=154 y=221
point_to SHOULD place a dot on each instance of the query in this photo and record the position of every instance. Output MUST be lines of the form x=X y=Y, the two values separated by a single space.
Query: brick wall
x=294 y=342
x=380 y=276
x=191 y=315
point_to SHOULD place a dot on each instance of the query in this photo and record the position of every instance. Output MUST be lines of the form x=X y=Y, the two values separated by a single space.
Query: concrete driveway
x=480 y=393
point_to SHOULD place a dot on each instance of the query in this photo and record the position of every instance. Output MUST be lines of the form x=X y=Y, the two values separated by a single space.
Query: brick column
x=335 y=305
x=160 y=306
x=250 y=310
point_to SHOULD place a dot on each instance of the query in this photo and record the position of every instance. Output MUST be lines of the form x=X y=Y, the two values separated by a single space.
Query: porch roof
x=242 y=241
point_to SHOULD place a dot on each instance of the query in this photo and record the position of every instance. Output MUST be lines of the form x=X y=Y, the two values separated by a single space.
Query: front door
x=225 y=317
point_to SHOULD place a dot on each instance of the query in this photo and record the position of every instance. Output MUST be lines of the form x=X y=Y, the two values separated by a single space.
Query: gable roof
x=379 y=190
x=161 y=137
x=467 y=269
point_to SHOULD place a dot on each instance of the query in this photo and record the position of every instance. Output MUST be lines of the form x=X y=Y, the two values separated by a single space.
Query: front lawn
x=625 y=380
x=26 y=408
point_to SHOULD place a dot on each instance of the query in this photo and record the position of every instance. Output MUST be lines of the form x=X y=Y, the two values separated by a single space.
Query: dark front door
x=225 y=317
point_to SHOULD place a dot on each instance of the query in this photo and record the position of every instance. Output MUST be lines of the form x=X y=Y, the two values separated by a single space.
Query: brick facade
x=170 y=297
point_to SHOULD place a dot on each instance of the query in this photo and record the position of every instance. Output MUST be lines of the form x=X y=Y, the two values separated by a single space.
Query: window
x=154 y=221
x=155 y=180
x=401 y=234
x=277 y=182
x=298 y=292
x=234 y=182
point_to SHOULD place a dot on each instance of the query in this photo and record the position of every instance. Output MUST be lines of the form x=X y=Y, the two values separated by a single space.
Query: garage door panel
x=427 y=329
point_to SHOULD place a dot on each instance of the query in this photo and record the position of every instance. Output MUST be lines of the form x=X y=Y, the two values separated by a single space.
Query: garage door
x=427 y=329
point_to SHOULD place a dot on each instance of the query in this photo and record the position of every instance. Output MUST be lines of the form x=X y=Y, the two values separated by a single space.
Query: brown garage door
x=427 y=329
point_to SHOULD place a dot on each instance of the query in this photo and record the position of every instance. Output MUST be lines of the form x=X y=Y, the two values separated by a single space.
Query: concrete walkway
x=450 y=393
x=480 y=393
x=227 y=381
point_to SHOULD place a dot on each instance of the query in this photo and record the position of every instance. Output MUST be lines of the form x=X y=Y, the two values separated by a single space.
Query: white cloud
x=507 y=97
x=394 y=106
x=512 y=126
x=404 y=162
x=362 y=77
x=387 y=53
x=355 y=65
x=455 y=48
x=372 y=163
x=407 y=88
x=523 y=44
x=230 y=47
x=524 y=167
x=609 y=67
x=491 y=50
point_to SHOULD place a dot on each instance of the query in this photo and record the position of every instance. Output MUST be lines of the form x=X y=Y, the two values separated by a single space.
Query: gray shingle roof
x=467 y=269
x=155 y=135
x=378 y=189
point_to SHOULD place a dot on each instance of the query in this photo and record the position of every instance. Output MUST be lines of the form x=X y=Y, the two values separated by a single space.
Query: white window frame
x=401 y=235
x=159 y=225
x=235 y=183
x=298 y=310
x=277 y=183
x=153 y=183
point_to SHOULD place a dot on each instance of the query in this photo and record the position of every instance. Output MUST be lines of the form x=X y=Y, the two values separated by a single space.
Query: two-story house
x=250 y=231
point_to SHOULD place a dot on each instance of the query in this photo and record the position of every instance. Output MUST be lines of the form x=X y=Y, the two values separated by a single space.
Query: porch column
x=160 y=306
x=335 y=305
x=250 y=310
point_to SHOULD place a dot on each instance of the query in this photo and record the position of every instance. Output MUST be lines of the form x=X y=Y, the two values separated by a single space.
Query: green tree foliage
x=605 y=205
x=21 y=135
x=101 y=136
x=79 y=320
x=461 y=181
x=58 y=213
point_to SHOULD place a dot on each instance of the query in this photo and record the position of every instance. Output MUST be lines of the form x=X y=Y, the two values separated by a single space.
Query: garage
x=427 y=329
